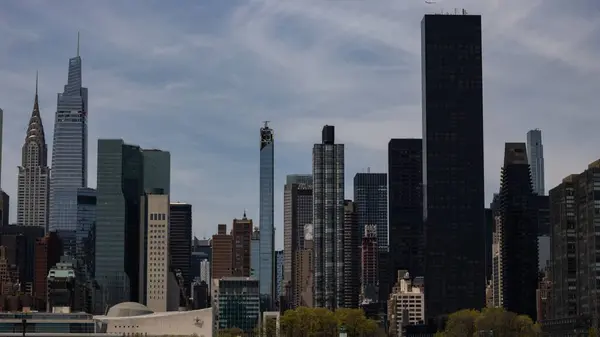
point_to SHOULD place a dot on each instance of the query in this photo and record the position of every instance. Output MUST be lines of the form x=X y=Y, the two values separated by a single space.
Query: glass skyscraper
x=69 y=150
x=119 y=190
x=535 y=156
x=266 y=273
x=328 y=221
x=86 y=230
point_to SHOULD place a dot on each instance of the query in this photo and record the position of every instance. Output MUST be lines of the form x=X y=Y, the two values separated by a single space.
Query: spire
x=78 y=44
x=36 y=106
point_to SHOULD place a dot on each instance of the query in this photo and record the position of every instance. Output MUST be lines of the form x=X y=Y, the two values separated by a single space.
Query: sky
x=197 y=78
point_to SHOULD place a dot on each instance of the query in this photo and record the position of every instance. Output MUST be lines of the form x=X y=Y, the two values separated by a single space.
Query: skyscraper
x=406 y=205
x=297 y=213
x=453 y=182
x=370 y=196
x=34 y=173
x=535 y=155
x=120 y=187
x=157 y=170
x=518 y=234
x=266 y=273
x=328 y=220
x=352 y=251
x=69 y=149
x=180 y=237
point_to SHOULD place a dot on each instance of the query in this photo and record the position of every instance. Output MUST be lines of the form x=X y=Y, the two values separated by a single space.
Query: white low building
x=131 y=318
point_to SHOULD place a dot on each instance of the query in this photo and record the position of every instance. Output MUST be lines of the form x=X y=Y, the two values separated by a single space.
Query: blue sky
x=197 y=78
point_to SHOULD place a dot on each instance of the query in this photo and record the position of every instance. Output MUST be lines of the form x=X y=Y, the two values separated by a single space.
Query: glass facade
x=453 y=172
x=86 y=230
x=157 y=170
x=46 y=323
x=69 y=150
x=239 y=304
x=266 y=273
x=255 y=253
x=328 y=221
x=119 y=190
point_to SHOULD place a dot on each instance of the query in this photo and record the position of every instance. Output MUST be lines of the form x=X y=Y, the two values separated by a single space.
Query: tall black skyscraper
x=453 y=182
x=518 y=235
x=405 y=205
x=180 y=241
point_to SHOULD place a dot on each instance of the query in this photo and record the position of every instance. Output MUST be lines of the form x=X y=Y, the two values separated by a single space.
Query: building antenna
x=266 y=124
x=77 y=44
x=36 y=82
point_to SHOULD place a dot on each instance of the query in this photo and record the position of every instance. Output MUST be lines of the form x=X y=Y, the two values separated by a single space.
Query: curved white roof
x=128 y=309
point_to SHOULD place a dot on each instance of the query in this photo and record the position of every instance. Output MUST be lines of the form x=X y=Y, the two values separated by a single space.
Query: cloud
x=198 y=80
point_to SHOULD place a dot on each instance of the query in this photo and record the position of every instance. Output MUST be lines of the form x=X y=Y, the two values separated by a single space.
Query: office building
x=518 y=235
x=157 y=170
x=180 y=237
x=10 y=237
x=48 y=251
x=161 y=289
x=201 y=250
x=86 y=231
x=370 y=196
x=405 y=204
x=4 y=207
x=535 y=156
x=369 y=272
x=453 y=142
x=119 y=190
x=255 y=253
x=304 y=294
x=242 y=234
x=406 y=304
x=328 y=220
x=239 y=304
x=205 y=273
x=352 y=254
x=267 y=223
x=563 y=220
x=222 y=253
x=66 y=292
x=69 y=149
x=34 y=173
x=279 y=262
x=297 y=213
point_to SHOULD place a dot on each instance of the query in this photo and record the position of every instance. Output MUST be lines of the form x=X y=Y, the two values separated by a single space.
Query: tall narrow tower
x=34 y=174
x=69 y=149
x=328 y=221
x=453 y=176
x=266 y=272
x=535 y=156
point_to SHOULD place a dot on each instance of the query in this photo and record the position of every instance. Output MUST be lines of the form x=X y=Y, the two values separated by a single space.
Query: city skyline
x=396 y=113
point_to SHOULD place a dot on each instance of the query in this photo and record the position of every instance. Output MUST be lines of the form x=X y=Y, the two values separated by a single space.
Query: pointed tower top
x=36 y=106
x=244 y=214
x=78 y=43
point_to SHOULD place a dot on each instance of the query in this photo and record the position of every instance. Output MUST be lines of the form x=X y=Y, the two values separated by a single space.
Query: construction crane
x=181 y=284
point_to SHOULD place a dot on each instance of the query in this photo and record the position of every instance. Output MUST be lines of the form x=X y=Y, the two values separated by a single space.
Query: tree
x=320 y=322
x=495 y=322
x=461 y=323
x=232 y=332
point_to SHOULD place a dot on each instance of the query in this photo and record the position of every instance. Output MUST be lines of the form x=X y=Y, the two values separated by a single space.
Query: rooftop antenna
x=77 y=44
x=36 y=82
x=244 y=213
x=266 y=124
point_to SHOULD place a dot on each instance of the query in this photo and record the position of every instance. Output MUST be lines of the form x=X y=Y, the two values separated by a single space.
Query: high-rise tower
x=34 y=174
x=69 y=149
x=328 y=221
x=266 y=272
x=535 y=156
x=453 y=181
x=297 y=213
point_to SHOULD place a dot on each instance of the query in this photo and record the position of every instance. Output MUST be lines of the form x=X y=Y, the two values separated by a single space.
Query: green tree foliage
x=494 y=322
x=320 y=322
x=233 y=332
